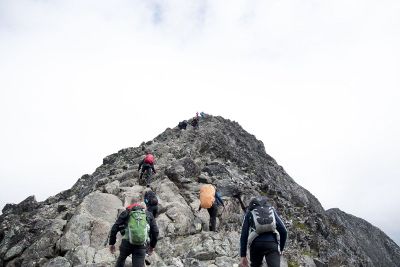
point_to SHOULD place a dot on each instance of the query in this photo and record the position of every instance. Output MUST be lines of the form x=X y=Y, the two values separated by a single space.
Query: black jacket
x=142 y=163
x=150 y=199
x=280 y=227
x=122 y=221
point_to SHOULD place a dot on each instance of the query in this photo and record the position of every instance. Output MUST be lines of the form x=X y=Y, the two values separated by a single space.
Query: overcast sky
x=316 y=80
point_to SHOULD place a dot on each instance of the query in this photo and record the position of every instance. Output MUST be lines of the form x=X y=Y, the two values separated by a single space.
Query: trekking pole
x=108 y=237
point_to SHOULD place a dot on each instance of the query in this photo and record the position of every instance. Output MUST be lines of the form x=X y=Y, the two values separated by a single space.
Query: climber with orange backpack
x=147 y=164
x=210 y=199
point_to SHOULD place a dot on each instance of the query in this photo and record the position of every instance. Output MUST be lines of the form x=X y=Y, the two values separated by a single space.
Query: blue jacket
x=263 y=237
x=218 y=198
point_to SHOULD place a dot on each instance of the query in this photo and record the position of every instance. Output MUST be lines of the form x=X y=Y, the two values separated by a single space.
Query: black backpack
x=150 y=198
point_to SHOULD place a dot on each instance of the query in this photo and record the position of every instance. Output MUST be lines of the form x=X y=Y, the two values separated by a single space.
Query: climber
x=264 y=233
x=195 y=122
x=210 y=199
x=151 y=201
x=137 y=235
x=147 y=164
x=182 y=125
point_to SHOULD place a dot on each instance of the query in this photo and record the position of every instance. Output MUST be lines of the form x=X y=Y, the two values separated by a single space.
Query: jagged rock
x=58 y=262
x=104 y=256
x=91 y=222
x=112 y=188
x=26 y=205
x=216 y=169
x=358 y=235
x=16 y=250
x=129 y=192
x=81 y=255
x=319 y=263
x=225 y=261
x=175 y=262
x=75 y=223
x=204 y=179
x=127 y=183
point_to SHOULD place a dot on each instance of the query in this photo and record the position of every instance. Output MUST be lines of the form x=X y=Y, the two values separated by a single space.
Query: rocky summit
x=71 y=228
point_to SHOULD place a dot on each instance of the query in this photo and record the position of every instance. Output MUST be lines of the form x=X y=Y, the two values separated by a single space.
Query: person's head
x=257 y=201
x=147 y=189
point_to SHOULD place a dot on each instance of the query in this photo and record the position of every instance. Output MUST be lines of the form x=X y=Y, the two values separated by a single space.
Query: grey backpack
x=264 y=220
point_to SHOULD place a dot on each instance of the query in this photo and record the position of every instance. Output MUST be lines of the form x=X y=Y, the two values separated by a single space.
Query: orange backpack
x=207 y=196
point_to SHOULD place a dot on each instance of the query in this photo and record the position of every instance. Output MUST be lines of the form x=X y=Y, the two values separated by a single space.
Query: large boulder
x=90 y=225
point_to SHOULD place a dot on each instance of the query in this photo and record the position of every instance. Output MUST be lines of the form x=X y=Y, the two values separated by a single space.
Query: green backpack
x=137 y=229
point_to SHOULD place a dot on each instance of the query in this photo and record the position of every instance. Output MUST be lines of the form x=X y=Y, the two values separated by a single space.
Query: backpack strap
x=253 y=232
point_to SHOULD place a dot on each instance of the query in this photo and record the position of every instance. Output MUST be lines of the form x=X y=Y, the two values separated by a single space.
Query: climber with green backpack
x=140 y=232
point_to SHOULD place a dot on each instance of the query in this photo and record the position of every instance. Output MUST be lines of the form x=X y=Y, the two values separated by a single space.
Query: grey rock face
x=361 y=237
x=58 y=262
x=26 y=205
x=70 y=228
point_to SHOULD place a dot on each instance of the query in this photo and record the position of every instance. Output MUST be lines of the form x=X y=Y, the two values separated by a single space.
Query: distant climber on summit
x=264 y=233
x=182 y=125
x=147 y=164
x=195 y=122
x=210 y=199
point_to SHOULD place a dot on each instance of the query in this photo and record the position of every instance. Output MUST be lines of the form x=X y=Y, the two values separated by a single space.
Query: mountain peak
x=69 y=229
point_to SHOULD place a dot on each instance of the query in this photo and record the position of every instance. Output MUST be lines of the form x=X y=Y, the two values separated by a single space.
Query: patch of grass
x=292 y=263
x=299 y=225
x=310 y=253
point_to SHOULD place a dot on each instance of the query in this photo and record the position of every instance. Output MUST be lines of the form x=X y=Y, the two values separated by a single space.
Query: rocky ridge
x=70 y=228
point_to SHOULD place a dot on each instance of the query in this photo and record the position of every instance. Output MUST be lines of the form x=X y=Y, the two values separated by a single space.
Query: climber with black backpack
x=151 y=201
x=140 y=232
x=147 y=164
x=264 y=233
x=210 y=199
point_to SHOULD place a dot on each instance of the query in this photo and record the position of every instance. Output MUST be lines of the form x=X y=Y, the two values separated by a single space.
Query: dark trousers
x=213 y=211
x=267 y=249
x=145 y=167
x=153 y=210
x=126 y=249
